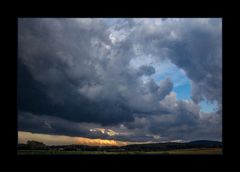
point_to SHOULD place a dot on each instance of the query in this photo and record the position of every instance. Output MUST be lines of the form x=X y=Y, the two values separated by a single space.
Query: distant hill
x=174 y=145
x=206 y=143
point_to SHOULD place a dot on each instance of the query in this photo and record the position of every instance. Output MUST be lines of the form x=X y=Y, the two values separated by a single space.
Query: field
x=202 y=151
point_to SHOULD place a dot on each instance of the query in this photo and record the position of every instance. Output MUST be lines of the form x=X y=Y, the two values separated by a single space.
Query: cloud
x=93 y=77
x=74 y=82
x=164 y=88
x=146 y=70
x=179 y=119
x=194 y=45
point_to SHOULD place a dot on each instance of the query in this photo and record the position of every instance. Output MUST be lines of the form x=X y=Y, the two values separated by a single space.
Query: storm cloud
x=93 y=78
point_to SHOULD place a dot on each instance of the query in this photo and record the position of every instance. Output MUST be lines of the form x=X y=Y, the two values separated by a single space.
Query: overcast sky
x=124 y=80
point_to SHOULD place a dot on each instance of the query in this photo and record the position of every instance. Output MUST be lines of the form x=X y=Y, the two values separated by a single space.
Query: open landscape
x=119 y=86
x=199 y=151
x=190 y=148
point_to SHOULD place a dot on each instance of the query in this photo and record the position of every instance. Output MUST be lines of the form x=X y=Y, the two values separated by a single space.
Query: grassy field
x=203 y=151
x=208 y=151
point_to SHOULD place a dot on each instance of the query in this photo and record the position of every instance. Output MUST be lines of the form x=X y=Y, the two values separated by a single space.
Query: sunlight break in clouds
x=23 y=137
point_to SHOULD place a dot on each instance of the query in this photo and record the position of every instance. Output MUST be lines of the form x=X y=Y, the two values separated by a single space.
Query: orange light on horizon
x=48 y=139
x=100 y=142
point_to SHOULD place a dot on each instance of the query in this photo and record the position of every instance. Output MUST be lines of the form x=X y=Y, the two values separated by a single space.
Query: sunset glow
x=48 y=139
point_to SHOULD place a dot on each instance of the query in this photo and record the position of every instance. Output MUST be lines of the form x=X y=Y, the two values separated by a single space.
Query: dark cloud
x=164 y=88
x=146 y=70
x=73 y=82
x=58 y=66
x=76 y=74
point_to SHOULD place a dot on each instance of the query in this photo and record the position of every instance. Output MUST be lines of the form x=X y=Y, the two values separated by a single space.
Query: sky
x=117 y=81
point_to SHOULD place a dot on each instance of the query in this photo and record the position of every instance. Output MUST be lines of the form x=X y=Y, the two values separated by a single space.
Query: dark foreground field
x=194 y=151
